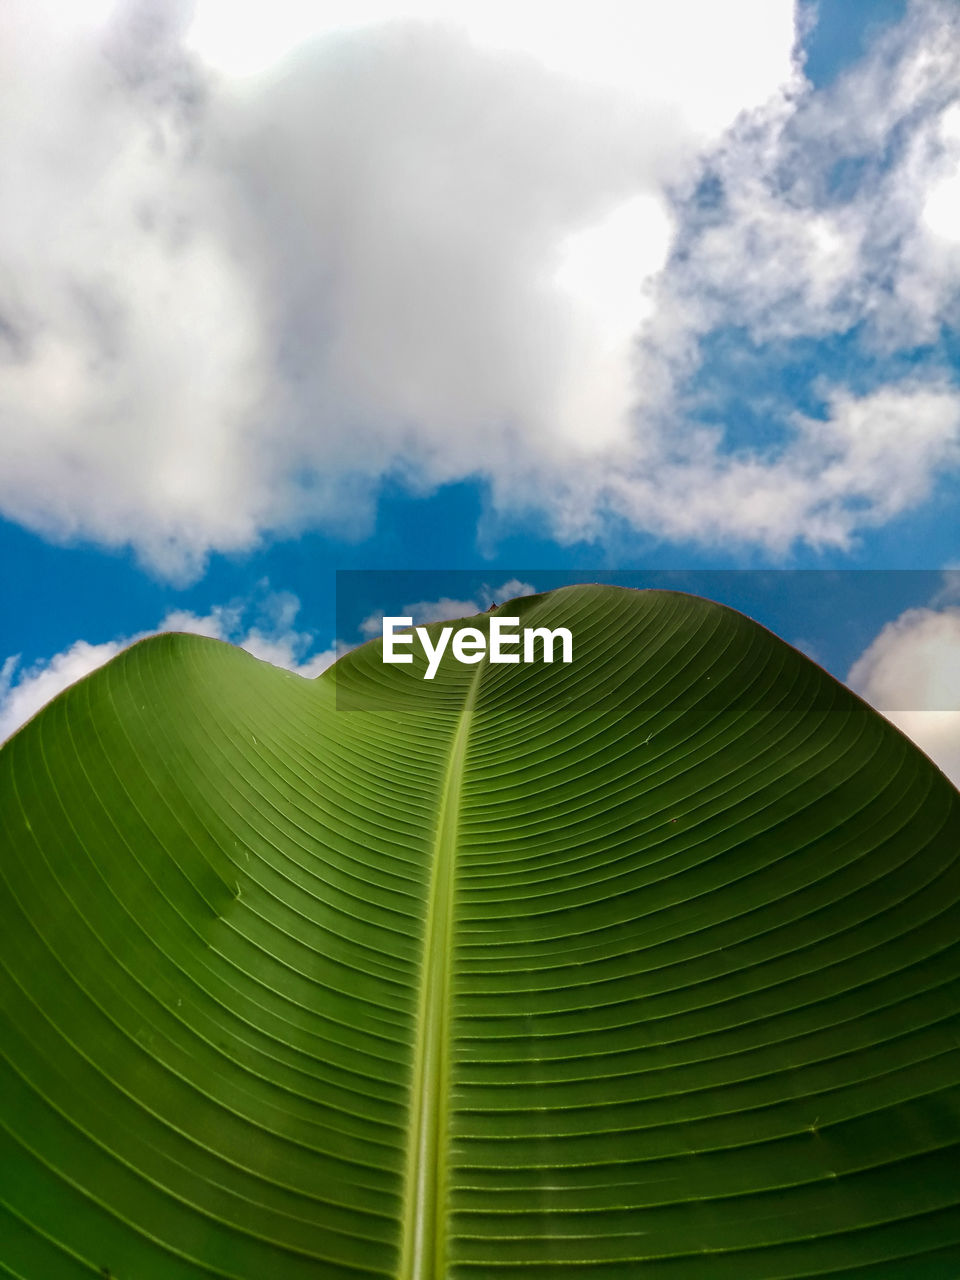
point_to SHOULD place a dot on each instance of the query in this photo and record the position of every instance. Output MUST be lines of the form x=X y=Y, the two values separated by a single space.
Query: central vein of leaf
x=424 y=1229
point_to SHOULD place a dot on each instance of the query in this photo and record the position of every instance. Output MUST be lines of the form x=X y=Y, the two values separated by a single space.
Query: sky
x=480 y=296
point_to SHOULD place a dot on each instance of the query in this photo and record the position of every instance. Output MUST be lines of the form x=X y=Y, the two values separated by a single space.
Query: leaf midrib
x=423 y=1247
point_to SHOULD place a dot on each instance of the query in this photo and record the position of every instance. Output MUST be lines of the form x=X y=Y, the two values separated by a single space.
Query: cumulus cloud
x=131 y=348
x=468 y=243
x=273 y=637
x=911 y=672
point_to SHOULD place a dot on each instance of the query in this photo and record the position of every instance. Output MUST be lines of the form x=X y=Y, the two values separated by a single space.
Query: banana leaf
x=641 y=965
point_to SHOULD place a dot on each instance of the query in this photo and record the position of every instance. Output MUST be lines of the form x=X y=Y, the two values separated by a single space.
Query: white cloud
x=870 y=458
x=24 y=691
x=633 y=49
x=828 y=199
x=824 y=252
x=21 y=696
x=941 y=201
x=911 y=672
x=131 y=351
x=233 y=306
x=466 y=245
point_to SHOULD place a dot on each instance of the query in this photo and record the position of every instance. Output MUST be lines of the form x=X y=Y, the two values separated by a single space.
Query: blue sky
x=457 y=291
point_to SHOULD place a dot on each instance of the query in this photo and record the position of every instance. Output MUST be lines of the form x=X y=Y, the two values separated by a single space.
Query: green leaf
x=645 y=965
